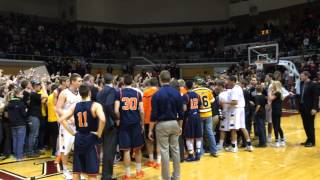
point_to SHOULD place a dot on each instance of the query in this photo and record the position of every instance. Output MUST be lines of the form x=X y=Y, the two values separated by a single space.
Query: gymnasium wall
x=151 y=11
x=243 y=7
x=135 y=12
x=43 y=8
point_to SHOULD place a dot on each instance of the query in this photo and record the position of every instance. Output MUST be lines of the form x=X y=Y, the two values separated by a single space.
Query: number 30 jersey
x=84 y=119
x=207 y=99
x=129 y=106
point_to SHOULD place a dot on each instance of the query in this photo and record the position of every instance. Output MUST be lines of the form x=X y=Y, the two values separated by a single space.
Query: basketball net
x=259 y=65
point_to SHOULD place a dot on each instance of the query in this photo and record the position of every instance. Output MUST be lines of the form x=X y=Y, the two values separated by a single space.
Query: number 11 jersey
x=207 y=99
x=84 y=119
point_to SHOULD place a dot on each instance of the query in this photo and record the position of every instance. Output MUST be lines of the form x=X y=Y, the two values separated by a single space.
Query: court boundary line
x=23 y=160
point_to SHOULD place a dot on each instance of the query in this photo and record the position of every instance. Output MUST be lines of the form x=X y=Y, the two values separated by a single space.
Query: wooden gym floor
x=291 y=162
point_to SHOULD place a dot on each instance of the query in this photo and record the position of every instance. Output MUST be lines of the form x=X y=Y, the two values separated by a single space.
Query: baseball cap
x=198 y=80
x=35 y=82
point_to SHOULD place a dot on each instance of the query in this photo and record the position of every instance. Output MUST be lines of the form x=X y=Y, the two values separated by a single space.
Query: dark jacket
x=107 y=98
x=35 y=105
x=309 y=98
x=167 y=105
x=247 y=98
x=17 y=113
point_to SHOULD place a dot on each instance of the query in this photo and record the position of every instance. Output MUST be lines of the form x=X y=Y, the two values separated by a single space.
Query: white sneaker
x=249 y=148
x=276 y=144
x=282 y=143
x=231 y=149
x=269 y=139
x=117 y=158
x=234 y=150
x=67 y=175
x=82 y=177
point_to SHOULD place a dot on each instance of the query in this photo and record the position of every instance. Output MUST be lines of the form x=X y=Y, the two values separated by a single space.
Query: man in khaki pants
x=167 y=108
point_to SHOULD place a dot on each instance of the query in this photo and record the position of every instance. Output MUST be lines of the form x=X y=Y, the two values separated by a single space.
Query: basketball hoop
x=259 y=65
x=268 y=54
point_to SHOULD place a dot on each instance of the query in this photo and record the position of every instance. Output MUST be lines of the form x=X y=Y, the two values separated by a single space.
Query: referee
x=166 y=112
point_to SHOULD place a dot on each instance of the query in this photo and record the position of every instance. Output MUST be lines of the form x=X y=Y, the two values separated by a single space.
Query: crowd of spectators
x=33 y=36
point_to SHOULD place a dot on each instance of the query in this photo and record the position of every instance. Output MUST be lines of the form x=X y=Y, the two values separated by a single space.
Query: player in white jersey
x=224 y=116
x=237 y=114
x=67 y=98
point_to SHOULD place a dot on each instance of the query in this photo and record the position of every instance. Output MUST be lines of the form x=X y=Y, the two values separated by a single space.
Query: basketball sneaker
x=283 y=143
x=276 y=144
x=150 y=164
x=190 y=158
x=139 y=175
x=82 y=177
x=249 y=148
x=157 y=165
x=67 y=175
x=197 y=157
x=125 y=177
x=232 y=149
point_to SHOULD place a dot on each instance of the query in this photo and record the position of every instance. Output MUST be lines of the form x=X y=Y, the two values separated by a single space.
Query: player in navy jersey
x=89 y=121
x=192 y=129
x=129 y=110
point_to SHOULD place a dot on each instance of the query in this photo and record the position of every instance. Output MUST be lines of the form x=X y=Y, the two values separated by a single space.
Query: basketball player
x=67 y=98
x=89 y=120
x=192 y=128
x=206 y=113
x=237 y=116
x=128 y=109
x=224 y=115
x=151 y=89
x=64 y=82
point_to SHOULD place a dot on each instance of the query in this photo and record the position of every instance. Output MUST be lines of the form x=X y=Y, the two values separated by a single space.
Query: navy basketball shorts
x=192 y=128
x=130 y=137
x=85 y=156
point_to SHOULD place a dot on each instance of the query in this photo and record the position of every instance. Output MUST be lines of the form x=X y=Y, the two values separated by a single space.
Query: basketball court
x=291 y=162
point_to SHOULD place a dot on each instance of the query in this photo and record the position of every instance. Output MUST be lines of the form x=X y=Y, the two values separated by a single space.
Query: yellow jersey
x=43 y=106
x=52 y=116
x=207 y=99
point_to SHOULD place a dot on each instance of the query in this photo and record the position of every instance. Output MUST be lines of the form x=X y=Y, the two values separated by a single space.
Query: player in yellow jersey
x=207 y=100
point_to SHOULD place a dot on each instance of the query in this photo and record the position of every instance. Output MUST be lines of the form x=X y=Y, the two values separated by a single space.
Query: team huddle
x=187 y=118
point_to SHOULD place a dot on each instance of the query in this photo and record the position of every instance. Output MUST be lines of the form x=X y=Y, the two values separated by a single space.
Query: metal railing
x=140 y=60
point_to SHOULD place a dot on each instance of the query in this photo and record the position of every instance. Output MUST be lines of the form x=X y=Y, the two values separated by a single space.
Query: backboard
x=266 y=54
